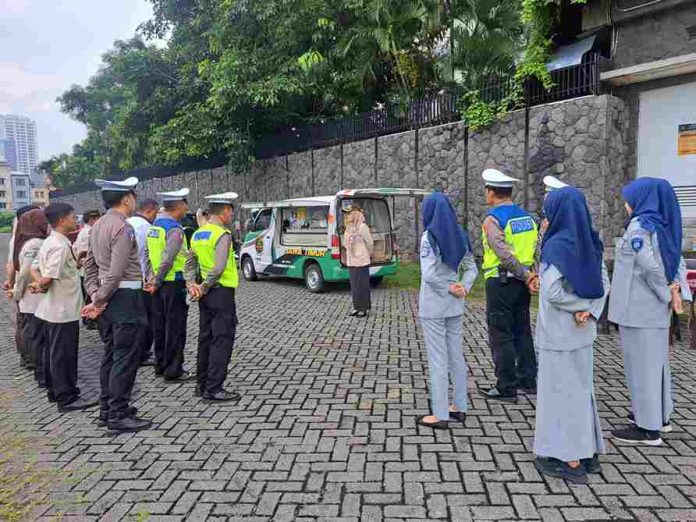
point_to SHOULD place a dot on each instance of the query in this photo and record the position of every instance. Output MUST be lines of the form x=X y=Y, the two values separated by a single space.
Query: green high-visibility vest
x=203 y=245
x=157 y=243
x=521 y=233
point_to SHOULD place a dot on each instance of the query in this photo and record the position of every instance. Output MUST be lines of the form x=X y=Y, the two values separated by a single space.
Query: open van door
x=373 y=202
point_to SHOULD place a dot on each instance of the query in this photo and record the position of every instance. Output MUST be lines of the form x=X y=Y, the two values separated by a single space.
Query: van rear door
x=378 y=217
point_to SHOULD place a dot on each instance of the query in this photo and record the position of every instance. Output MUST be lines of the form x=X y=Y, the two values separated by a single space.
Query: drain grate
x=691 y=32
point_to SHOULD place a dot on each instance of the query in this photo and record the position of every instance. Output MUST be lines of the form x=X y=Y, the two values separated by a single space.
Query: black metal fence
x=444 y=107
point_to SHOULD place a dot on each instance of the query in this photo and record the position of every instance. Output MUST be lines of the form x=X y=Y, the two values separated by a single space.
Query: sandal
x=439 y=425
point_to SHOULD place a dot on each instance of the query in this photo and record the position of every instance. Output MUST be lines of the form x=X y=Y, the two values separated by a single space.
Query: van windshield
x=305 y=226
x=377 y=218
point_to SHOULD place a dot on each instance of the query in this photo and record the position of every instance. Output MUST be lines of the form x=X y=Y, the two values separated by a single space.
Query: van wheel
x=376 y=281
x=314 y=279
x=248 y=269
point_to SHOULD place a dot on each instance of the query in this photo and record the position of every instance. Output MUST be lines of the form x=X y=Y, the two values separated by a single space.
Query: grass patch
x=26 y=483
x=407 y=277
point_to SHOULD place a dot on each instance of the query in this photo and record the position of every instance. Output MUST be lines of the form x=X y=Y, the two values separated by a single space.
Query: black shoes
x=666 y=427
x=221 y=396
x=353 y=313
x=104 y=416
x=494 y=394
x=458 y=416
x=439 y=425
x=149 y=362
x=555 y=468
x=361 y=314
x=528 y=390
x=77 y=405
x=125 y=424
x=637 y=435
x=592 y=465
x=183 y=377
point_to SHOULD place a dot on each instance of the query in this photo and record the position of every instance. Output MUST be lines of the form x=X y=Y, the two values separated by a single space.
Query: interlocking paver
x=325 y=429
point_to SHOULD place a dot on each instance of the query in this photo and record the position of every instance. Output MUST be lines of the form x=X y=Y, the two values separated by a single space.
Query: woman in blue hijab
x=574 y=283
x=646 y=288
x=448 y=271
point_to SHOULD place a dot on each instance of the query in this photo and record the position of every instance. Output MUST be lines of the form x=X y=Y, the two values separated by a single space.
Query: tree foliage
x=231 y=71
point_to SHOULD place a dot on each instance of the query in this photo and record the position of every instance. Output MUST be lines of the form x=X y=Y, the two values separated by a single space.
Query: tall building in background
x=21 y=132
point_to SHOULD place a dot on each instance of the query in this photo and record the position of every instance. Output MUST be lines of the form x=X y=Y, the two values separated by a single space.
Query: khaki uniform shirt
x=63 y=301
x=112 y=257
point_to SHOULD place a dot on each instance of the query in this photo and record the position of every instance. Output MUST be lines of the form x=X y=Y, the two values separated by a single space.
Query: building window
x=2 y=193
x=2 y=181
x=20 y=182
x=21 y=194
x=3 y=206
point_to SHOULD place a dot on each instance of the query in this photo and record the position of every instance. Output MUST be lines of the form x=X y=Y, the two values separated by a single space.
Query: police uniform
x=113 y=279
x=166 y=256
x=211 y=258
x=509 y=236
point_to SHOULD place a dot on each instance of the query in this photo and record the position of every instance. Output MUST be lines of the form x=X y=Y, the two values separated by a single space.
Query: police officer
x=212 y=259
x=166 y=257
x=114 y=282
x=509 y=241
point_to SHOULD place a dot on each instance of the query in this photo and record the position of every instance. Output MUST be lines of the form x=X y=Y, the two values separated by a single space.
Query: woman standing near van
x=644 y=291
x=358 y=243
x=445 y=252
x=574 y=284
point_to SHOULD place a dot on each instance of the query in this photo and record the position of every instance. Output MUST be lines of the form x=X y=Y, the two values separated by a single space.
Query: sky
x=48 y=45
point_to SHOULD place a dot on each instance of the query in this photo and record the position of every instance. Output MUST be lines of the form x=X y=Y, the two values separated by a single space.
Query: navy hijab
x=571 y=244
x=445 y=232
x=655 y=205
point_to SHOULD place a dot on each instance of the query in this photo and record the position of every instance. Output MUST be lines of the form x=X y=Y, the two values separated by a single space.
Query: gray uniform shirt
x=222 y=252
x=435 y=301
x=556 y=329
x=640 y=293
x=112 y=257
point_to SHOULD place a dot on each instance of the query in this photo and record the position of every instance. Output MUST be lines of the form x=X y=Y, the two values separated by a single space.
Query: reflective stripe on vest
x=521 y=233
x=157 y=243
x=203 y=245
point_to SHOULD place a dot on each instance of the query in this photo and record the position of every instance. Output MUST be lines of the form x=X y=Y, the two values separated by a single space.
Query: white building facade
x=22 y=132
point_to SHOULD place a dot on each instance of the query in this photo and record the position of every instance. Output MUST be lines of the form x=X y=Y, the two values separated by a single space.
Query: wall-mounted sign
x=687 y=139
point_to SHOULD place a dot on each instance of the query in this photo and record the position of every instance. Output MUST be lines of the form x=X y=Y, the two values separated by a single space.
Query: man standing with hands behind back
x=509 y=241
x=212 y=257
x=166 y=256
x=114 y=281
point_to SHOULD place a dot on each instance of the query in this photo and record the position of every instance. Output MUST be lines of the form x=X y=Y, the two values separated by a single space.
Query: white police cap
x=225 y=198
x=552 y=183
x=176 y=195
x=127 y=185
x=495 y=178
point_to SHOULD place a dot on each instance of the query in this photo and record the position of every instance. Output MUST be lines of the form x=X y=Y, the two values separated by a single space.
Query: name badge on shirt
x=637 y=244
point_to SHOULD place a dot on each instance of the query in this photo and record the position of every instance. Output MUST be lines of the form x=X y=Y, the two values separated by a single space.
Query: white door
x=667 y=140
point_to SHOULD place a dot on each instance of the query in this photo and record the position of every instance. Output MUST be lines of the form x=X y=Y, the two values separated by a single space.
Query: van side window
x=263 y=220
x=305 y=226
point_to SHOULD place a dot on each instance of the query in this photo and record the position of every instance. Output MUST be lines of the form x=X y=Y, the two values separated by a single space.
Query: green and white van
x=301 y=238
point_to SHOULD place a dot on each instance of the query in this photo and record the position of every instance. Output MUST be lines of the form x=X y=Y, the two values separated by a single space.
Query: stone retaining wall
x=582 y=141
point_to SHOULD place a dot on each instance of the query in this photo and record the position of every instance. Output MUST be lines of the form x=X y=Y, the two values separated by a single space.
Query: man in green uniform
x=211 y=260
x=509 y=240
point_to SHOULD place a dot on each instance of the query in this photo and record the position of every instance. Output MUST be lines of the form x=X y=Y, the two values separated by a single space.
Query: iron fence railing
x=444 y=107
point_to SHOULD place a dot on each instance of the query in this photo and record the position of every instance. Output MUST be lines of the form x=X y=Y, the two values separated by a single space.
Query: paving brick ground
x=326 y=431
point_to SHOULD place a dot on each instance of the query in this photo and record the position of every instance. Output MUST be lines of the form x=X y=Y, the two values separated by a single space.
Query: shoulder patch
x=637 y=243
x=153 y=233
x=426 y=248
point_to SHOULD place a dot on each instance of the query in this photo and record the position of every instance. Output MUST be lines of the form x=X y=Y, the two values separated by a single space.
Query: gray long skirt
x=646 y=365
x=567 y=423
x=360 y=287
